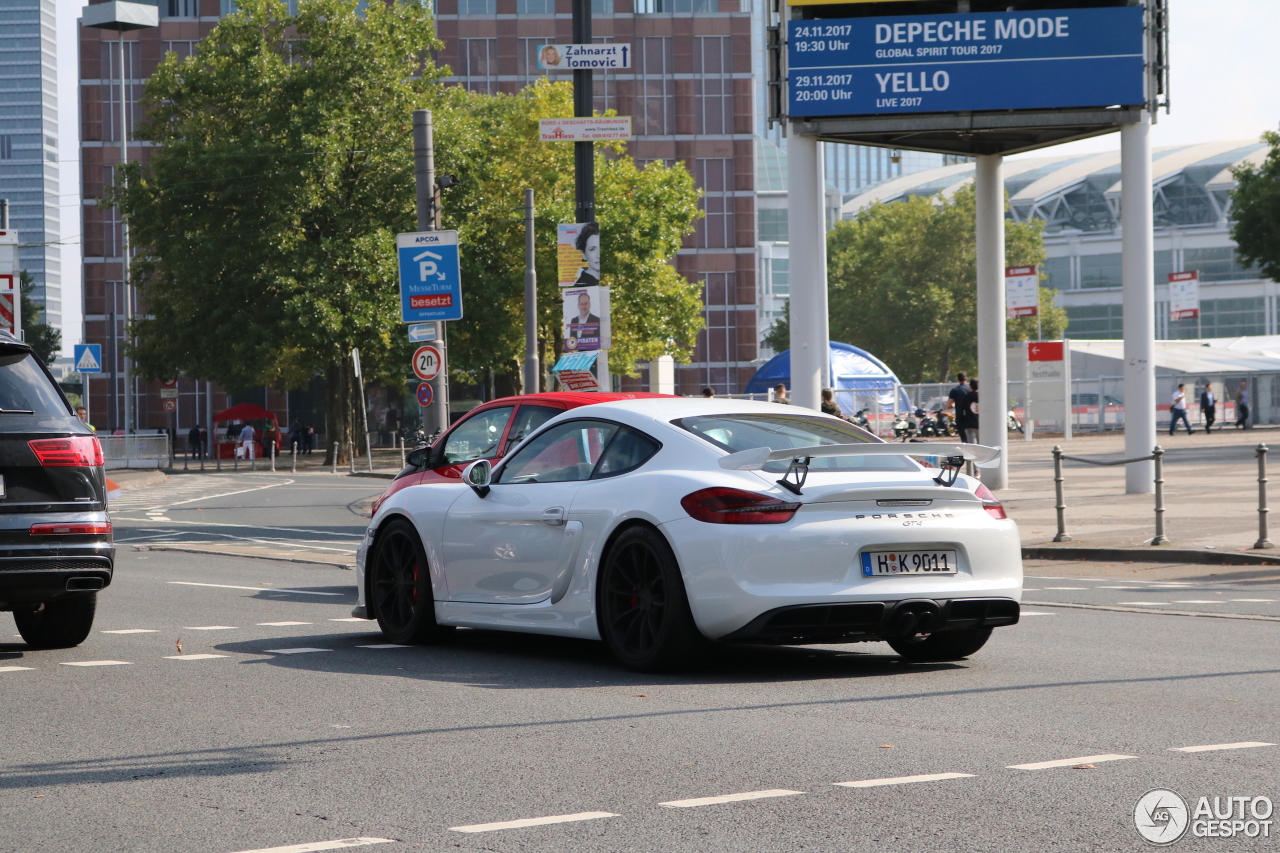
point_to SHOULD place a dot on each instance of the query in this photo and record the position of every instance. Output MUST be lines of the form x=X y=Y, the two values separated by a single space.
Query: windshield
x=783 y=431
x=24 y=387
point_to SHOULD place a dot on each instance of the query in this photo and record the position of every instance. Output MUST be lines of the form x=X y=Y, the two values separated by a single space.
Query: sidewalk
x=1210 y=493
x=386 y=463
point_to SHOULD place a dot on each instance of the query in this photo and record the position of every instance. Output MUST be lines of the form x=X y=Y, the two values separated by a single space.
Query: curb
x=1153 y=611
x=376 y=475
x=334 y=565
x=1154 y=555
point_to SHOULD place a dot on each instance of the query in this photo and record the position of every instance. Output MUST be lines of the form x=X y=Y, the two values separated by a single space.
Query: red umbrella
x=244 y=412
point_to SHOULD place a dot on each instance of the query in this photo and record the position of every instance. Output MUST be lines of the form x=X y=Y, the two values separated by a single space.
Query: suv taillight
x=74 y=528
x=76 y=451
x=721 y=505
x=994 y=508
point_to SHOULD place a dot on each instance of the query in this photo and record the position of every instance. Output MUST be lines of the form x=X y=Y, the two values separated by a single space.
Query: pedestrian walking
x=1178 y=410
x=195 y=443
x=1242 y=406
x=247 y=441
x=708 y=392
x=1208 y=407
x=961 y=399
x=780 y=394
x=828 y=405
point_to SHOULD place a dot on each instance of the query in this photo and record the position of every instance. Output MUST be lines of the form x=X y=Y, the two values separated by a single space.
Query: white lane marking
x=385 y=646
x=158 y=518
x=1144 y=603
x=14 y=668
x=133 y=631
x=1065 y=587
x=192 y=657
x=1036 y=613
x=254 y=588
x=1068 y=762
x=322 y=845
x=729 y=798
x=1195 y=601
x=208 y=627
x=98 y=663
x=903 y=780
x=268 y=527
x=1128 y=588
x=282 y=624
x=1251 y=599
x=227 y=494
x=529 y=821
x=1247 y=744
x=351 y=619
x=298 y=651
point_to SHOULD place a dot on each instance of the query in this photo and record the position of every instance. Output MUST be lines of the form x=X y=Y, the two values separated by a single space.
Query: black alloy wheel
x=401 y=587
x=942 y=646
x=642 y=608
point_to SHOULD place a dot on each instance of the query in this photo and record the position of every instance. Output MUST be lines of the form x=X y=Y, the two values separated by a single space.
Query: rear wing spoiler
x=757 y=457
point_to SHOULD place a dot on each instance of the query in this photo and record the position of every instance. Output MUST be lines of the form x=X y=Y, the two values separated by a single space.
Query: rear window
x=783 y=431
x=24 y=387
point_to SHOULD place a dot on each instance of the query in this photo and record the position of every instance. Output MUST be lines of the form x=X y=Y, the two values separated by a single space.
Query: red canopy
x=244 y=412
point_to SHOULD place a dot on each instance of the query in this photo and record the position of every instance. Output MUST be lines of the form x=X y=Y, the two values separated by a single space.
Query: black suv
x=55 y=535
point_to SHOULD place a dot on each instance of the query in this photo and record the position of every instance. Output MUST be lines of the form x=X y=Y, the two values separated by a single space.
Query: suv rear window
x=24 y=387
x=783 y=431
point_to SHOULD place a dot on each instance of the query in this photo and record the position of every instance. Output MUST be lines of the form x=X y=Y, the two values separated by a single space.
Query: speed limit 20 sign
x=426 y=363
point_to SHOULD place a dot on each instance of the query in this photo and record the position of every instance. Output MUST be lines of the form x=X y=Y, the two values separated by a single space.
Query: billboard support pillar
x=1139 y=303
x=806 y=212
x=993 y=391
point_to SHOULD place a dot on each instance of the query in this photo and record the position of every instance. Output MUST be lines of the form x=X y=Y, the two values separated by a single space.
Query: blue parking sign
x=430 y=278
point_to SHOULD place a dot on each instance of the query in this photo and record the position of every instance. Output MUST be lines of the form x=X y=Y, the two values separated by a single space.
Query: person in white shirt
x=1178 y=411
x=246 y=441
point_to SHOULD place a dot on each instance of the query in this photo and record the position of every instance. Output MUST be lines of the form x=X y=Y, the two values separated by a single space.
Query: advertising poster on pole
x=1021 y=292
x=1184 y=295
x=586 y=319
x=578 y=254
x=578 y=371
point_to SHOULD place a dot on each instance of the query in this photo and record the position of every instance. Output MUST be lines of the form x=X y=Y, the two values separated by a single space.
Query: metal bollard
x=217 y=448
x=1263 y=541
x=186 y=461
x=273 y=457
x=1158 y=455
x=351 y=455
x=402 y=462
x=294 y=451
x=335 y=457
x=235 y=464
x=368 y=452
x=253 y=458
x=1060 y=506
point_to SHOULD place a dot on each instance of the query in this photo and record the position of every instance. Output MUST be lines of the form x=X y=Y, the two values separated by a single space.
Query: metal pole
x=1263 y=540
x=531 y=367
x=424 y=174
x=335 y=457
x=1061 y=505
x=805 y=212
x=584 y=156
x=1139 y=300
x=129 y=399
x=402 y=462
x=993 y=430
x=293 y=449
x=273 y=457
x=364 y=409
x=1158 y=458
x=351 y=456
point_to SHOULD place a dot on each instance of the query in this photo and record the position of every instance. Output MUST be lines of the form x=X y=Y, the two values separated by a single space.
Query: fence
x=135 y=451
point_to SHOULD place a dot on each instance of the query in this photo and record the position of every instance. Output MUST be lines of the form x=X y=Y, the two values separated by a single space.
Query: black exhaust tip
x=84 y=584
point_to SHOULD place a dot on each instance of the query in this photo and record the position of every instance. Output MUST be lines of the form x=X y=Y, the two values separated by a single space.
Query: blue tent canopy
x=852 y=369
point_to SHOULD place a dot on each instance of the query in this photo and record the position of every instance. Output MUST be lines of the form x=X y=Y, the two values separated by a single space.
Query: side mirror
x=419 y=458
x=478 y=476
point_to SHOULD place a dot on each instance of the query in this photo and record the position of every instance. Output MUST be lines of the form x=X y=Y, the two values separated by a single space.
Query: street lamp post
x=121 y=16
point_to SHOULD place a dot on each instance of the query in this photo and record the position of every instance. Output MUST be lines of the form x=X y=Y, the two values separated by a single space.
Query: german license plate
x=875 y=563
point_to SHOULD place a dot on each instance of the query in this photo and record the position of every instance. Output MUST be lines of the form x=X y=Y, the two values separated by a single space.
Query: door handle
x=553 y=516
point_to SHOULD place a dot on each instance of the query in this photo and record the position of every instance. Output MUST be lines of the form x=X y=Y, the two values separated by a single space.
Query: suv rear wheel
x=59 y=624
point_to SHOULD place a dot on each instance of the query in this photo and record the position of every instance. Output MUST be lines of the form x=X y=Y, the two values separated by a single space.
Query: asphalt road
x=283 y=722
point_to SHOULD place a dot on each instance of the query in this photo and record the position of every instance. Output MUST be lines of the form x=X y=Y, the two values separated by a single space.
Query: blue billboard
x=952 y=63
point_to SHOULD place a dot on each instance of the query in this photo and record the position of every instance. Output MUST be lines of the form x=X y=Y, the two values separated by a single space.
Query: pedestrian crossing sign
x=88 y=358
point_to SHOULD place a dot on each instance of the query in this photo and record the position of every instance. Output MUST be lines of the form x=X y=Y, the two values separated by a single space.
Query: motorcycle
x=860 y=419
x=944 y=424
x=903 y=426
x=1015 y=425
x=928 y=425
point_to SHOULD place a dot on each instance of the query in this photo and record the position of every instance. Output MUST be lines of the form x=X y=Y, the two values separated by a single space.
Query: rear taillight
x=75 y=528
x=734 y=506
x=76 y=451
x=994 y=508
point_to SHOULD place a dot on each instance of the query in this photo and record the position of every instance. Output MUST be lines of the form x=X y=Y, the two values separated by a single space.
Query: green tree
x=1255 y=207
x=903 y=284
x=44 y=339
x=491 y=144
x=266 y=221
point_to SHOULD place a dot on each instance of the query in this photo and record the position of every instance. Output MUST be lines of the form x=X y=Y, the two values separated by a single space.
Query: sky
x=1225 y=84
